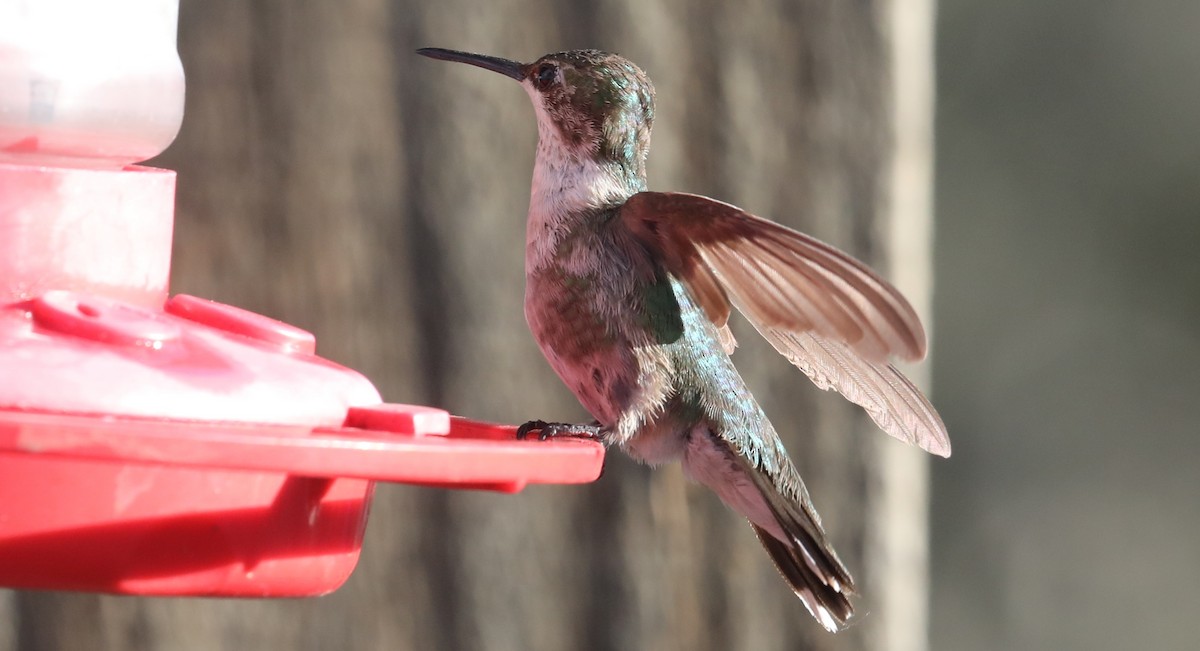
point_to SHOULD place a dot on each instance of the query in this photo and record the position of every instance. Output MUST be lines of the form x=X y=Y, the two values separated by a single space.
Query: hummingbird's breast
x=614 y=326
x=583 y=306
x=628 y=340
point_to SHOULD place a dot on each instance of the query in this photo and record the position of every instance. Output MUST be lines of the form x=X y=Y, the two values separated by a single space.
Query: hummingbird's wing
x=828 y=313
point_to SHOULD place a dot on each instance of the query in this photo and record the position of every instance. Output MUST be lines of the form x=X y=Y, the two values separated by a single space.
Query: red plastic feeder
x=182 y=446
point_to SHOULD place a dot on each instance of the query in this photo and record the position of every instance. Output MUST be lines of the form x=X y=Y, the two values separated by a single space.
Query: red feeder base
x=190 y=447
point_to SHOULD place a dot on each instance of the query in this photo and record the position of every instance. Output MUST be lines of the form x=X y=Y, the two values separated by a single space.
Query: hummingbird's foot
x=553 y=430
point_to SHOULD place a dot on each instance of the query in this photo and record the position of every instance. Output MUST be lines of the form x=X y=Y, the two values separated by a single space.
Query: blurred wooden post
x=330 y=178
x=901 y=541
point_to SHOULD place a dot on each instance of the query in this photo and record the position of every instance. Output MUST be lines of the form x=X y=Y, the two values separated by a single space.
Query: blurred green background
x=1067 y=325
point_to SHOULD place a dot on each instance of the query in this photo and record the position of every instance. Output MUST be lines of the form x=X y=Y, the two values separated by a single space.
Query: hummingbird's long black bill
x=495 y=64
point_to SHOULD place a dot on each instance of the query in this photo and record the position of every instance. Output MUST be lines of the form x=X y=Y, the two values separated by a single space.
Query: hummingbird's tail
x=778 y=507
x=825 y=594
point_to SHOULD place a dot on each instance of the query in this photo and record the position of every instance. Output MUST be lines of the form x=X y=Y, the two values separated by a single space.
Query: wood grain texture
x=330 y=178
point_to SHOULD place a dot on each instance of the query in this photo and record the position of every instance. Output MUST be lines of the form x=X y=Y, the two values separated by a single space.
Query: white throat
x=563 y=185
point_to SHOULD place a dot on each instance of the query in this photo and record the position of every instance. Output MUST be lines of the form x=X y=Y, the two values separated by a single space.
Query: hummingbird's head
x=590 y=105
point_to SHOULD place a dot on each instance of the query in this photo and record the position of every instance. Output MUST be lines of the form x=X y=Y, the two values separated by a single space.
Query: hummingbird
x=628 y=293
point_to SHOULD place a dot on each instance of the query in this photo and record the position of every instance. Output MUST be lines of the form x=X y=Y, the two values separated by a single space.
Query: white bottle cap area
x=88 y=83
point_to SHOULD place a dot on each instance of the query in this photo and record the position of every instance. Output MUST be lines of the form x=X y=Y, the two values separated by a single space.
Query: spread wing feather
x=895 y=404
x=828 y=313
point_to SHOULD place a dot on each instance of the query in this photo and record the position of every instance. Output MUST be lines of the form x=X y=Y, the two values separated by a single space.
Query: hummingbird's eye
x=545 y=75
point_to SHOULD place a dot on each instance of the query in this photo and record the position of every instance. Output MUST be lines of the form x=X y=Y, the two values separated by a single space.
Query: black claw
x=524 y=430
x=552 y=430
